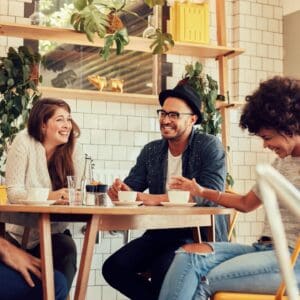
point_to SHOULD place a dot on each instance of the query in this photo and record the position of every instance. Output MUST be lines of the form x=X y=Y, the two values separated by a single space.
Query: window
x=70 y=65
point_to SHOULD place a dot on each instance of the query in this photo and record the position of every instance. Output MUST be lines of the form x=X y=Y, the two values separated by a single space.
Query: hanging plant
x=18 y=91
x=207 y=88
x=100 y=17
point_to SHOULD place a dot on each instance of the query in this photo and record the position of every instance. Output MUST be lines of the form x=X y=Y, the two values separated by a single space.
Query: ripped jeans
x=230 y=267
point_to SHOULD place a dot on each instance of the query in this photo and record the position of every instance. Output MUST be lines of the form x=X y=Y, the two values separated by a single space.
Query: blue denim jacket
x=203 y=159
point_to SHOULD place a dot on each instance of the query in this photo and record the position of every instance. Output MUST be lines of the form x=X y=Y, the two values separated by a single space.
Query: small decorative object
x=117 y=85
x=99 y=82
x=189 y=22
x=37 y=17
x=150 y=30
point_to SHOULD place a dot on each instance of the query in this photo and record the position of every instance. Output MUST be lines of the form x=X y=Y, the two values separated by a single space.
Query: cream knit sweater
x=26 y=166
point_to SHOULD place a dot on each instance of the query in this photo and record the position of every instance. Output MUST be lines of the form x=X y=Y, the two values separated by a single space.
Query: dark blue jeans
x=153 y=252
x=14 y=287
x=64 y=254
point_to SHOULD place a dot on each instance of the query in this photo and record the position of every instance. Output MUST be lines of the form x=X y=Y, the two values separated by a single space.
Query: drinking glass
x=74 y=189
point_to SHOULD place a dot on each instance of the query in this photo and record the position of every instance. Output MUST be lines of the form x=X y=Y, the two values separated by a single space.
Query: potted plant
x=207 y=88
x=18 y=91
x=101 y=17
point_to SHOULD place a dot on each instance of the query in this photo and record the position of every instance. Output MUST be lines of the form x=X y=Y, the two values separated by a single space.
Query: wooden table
x=99 y=218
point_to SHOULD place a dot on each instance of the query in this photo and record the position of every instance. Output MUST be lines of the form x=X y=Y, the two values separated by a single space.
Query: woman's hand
x=182 y=183
x=20 y=261
x=59 y=195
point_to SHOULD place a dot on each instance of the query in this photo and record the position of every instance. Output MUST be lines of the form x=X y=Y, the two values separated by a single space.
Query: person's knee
x=108 y=269
x=197 y=248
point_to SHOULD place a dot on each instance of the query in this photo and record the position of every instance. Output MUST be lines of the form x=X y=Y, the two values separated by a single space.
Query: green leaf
x=90 y=20
x=80 y=4
x=10 y=82
x=162 y=42
x=152 y=3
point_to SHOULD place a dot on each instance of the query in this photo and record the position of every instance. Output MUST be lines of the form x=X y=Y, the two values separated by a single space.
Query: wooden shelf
x=115 y=97
x=99 y=96
x=234 y=104
x=70 y=36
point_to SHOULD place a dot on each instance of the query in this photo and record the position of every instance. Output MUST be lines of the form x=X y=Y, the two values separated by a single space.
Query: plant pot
x=35 y=73
x=115 y=23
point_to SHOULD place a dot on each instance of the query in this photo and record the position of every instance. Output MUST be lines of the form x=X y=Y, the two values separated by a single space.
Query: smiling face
x=175 y=130
x=283 y=145
x=57 y=129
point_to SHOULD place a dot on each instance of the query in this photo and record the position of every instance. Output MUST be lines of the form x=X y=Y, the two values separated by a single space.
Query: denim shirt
x=203 y=159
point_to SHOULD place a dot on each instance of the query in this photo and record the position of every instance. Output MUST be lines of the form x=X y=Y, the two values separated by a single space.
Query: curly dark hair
x=274 y=105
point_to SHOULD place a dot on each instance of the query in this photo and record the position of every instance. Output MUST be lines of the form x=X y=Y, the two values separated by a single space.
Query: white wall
x=290 y=6
x=113 y=133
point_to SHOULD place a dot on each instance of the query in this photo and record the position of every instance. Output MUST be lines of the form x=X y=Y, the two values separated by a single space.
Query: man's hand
x=118 y=185
x=20 y=261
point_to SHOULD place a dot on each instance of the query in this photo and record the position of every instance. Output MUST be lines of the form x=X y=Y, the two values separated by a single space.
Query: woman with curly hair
x=198 y=270
x=42 y=155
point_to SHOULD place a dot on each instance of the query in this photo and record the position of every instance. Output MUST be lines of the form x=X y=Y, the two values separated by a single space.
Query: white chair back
x=274 y=186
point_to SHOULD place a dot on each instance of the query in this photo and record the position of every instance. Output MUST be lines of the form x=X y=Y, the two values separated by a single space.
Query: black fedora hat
x=186 y=93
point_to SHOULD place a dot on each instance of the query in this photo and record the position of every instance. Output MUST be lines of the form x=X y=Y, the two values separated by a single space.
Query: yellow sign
x=3 y=194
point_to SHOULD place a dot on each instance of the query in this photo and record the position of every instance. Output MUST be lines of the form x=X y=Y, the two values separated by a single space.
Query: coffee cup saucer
x=127 y=203
x=174 y=204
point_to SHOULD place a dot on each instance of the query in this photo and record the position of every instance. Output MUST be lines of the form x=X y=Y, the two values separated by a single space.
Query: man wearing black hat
x=181 y=151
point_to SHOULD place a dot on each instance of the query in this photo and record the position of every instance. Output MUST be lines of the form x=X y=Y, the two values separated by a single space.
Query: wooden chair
x=271 y=185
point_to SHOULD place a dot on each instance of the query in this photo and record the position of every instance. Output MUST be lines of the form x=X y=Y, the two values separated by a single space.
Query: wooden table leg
x=46 y=257
x=86 y=257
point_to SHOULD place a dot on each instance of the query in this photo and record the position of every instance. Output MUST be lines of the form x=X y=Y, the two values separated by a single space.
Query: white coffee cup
x=37 y=194
x=176 y=196
x=127 y=196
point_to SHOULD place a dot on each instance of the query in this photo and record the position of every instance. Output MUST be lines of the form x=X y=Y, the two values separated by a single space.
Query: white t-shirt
x=174 y=167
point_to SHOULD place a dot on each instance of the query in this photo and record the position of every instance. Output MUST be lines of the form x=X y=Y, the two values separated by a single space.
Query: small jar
x=101 y=196
x=90 y=194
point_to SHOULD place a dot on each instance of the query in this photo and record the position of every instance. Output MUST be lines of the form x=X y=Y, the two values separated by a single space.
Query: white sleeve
x=15 y=169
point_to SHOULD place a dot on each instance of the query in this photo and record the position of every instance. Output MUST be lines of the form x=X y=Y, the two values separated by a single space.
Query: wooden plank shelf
x=98 y=96
x=70 y=36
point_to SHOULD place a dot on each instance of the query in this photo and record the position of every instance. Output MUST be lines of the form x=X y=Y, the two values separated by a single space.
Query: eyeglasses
x=173 y=115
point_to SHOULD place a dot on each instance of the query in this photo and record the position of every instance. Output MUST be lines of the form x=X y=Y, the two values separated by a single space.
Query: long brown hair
x=61 y=163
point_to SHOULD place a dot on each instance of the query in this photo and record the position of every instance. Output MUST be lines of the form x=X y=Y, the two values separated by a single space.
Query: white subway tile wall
x=114 y=133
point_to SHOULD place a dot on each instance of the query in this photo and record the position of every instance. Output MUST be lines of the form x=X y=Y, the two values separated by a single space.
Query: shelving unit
x=69 y=36
x=220 y=52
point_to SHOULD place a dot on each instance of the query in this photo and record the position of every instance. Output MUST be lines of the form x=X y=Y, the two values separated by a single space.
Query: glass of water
x=74 y=188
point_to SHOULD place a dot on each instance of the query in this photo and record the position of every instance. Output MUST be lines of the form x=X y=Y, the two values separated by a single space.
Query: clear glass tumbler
x=75 y=192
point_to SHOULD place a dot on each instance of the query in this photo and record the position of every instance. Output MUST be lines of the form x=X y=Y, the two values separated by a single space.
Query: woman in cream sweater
x=42 y=156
